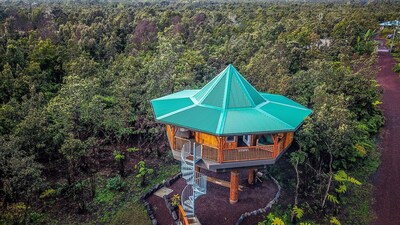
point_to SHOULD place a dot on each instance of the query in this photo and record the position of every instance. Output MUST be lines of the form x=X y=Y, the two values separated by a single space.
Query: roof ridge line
x=227 y=91
x=219 y=77
x=222 y=117
x=267 y=114
x=278 y=103
x=176 y=111
x=245 y=89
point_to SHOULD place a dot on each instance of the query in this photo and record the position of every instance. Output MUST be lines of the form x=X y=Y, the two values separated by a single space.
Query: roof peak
x=229 y=89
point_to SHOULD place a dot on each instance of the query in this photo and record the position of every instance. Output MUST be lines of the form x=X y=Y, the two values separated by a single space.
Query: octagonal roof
x=230 y=105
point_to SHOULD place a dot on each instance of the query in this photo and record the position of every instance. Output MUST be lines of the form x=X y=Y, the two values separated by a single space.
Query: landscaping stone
x=174 y=216
x=264 y=209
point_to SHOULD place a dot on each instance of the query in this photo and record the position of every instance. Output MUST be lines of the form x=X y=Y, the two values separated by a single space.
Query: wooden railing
x=247 y=153
x=179 y=142
x=210 y=153
x=182 y=216
x=258 y=152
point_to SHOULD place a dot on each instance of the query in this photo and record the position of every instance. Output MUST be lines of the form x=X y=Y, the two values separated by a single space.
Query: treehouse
x=228 y=125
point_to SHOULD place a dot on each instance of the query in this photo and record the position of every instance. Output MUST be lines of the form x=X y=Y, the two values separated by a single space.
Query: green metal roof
x=229 y=105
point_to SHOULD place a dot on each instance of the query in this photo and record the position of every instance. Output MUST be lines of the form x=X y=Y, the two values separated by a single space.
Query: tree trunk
x=93 y=184
x=296 y=194
x=329 y=181
x=122 y=168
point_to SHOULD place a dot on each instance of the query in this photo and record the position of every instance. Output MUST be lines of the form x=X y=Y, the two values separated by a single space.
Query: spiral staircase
x=196 y=182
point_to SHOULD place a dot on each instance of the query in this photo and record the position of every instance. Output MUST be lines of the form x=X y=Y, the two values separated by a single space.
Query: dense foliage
x=76 y=80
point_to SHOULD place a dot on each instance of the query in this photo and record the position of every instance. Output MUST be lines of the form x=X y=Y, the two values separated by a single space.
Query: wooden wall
x=207 y=139
x=230 y=144
x=171 y=135
x=288 y=139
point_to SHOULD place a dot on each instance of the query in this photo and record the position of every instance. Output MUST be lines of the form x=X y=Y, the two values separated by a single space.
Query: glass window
x=246 y=139
x=230 y=139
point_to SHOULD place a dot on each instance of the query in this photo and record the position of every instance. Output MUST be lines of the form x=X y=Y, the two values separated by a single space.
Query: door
x=246 y=139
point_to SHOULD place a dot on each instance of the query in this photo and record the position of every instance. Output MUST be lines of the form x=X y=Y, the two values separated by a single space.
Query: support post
x=275 y=148
x=234 y=189
x=220 y=149
x=250 y=178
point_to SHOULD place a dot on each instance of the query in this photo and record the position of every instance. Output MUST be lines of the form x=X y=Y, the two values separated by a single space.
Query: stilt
x=250 y=178
x=234 y=192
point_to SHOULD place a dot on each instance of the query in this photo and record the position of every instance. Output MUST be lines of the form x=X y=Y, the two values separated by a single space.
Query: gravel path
x=387 y=180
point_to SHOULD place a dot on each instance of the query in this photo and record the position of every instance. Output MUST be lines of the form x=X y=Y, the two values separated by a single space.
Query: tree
x=143 y=172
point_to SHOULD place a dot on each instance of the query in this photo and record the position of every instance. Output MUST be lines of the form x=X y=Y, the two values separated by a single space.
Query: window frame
x=230 y=141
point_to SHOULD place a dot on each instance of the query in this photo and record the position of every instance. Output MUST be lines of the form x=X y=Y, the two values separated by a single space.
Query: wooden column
x=234 y=189
x=250 y=178
x=220 y=147
x=275 y=148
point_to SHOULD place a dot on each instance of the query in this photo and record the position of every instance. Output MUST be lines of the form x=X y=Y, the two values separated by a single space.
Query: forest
x=78 y=139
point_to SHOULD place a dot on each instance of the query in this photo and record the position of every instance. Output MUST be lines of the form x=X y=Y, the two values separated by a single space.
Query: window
x=246 y=139
x=230 y=139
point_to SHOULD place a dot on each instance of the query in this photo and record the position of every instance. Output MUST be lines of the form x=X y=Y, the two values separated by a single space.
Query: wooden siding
x=207 y=139
x=171 y=136
x=288 y=139
x=232 y=144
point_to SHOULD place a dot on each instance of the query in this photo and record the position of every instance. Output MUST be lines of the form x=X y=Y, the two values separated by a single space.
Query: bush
x=116 y=183
x=396 y=68
x=176 y=200
x=386 y=31
x=47 y=193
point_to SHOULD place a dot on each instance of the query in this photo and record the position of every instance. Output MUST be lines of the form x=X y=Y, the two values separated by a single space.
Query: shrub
x=116 y=183
x=48 y=193
x=175 y=200
x=132 y=150
x=396 y=68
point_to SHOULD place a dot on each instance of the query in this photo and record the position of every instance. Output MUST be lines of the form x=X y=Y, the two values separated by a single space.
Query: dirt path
x=214 y=208
x=387 y=180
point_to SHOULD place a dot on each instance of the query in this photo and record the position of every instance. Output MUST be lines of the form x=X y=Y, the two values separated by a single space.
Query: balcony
x=233 y=157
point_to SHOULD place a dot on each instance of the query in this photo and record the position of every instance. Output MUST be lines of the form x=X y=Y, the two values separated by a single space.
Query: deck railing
x=179 y=142
x=210 y=153
x=182 y=216
x=259 y=152
x=247 y=153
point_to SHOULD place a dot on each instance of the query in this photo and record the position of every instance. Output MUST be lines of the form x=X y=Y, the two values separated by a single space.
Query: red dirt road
x=387 y=180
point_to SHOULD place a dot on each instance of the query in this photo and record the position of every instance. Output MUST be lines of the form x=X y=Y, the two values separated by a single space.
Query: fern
x=353 y=180
x=335 y=221
x=273 y=220
x=340 y=176
x=342 y=189
x=277 y=221
x=360 y=149
x=333 y=199
x=298 y=212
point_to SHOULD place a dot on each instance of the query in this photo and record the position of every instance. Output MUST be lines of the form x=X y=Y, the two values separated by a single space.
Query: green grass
x=105 y=196
x=132 y=211
x=358 y=205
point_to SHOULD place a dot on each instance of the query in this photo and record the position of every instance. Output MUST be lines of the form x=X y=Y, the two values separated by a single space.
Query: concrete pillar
x=250 y=178
x=234 y=189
